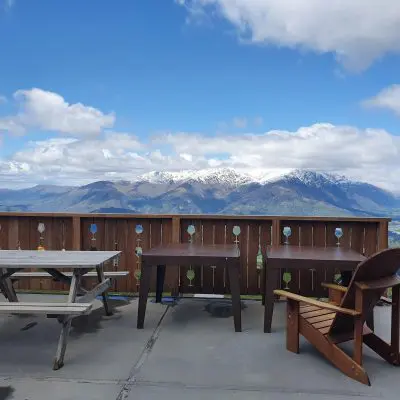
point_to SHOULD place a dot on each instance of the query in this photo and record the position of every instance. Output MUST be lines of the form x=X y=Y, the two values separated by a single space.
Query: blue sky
x=162 y=76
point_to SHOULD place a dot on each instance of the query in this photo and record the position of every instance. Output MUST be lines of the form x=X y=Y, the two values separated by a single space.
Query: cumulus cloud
x=371 y=155
x=388 y=98
x=10 y=125
x=357 y=32
x=49 y=111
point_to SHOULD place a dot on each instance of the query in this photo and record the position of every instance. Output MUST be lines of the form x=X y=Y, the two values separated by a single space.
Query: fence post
x=383 y=235
x=13 y=233
x=176 y=229
x=276 y=231
x=176 y=238
x=76 y=233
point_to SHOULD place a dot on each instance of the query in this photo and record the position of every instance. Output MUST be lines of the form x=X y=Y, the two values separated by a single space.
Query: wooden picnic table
x=304 y=257
x=225 y=255
x=54 y=262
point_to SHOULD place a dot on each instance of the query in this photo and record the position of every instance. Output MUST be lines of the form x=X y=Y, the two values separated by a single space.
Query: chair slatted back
x=380 y=265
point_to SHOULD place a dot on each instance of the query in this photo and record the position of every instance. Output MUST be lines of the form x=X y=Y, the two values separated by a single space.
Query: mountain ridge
x=216 y=191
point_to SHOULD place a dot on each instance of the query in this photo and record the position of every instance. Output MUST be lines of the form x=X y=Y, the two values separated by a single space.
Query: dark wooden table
x=190 y=254
x=304 y=257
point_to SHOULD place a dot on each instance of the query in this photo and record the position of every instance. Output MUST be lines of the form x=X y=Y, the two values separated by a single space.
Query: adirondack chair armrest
x=336 y=292
x=318 y=303
x=333 y=286
x=383 y=283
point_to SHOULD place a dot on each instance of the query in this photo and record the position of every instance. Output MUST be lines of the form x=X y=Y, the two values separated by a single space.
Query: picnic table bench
x=52 y=263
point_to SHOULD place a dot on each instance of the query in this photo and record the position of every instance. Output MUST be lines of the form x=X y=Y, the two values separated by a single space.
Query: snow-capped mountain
x=217 y=191
x=315 y=178
x=234 y=178
x=220 y=176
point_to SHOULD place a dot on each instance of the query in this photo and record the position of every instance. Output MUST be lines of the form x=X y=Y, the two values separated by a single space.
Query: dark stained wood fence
x=132 y=234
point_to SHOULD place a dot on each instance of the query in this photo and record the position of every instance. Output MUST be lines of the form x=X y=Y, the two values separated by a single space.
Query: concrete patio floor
x=183 y=352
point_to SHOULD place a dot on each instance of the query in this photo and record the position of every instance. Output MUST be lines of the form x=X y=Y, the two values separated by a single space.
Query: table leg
x=66 y=323
x=101 y=278
x=233 y=271
x=160 y=282
x=7 y=287
x=271 y=277
x=262 y=284
x=143 y=293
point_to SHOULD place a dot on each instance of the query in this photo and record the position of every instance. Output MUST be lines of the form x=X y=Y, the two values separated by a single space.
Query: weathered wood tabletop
x=224 y=255
x=303 y=257
x=54 y=258
x=189 y=253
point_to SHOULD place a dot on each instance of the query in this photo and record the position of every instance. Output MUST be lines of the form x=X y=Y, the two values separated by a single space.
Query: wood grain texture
x=45 y=308
x=126 y=260
x=220 y=236
x=194 y=216
x=361 y=234
x=383 y=235
x=195 y=285
x=208 y=270
x=15 y=259
x=317 y=303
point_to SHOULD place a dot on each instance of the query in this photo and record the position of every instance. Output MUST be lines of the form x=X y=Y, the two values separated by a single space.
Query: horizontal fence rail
x=132 y=234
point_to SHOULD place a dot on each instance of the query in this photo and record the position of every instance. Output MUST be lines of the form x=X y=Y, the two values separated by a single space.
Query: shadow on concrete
x=91 y=323
x=6 y=392
x=221 y=308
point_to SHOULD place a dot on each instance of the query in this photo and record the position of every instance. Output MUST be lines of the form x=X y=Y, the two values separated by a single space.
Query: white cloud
x=371 y=155
x=49 y=111
x=388 y=98
x=3 y=99
x=11 y=125
x=356 y=31
x=239 y=122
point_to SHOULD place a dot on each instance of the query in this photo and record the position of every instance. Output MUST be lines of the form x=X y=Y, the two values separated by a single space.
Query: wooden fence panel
x=172 y=272
x=220 y=237
x=118 y=232
x=362 y=236
x=290 y=277
x=306 y=277
x=187 y=285
x=125 y=260
x=155 y=239
x=207 y=270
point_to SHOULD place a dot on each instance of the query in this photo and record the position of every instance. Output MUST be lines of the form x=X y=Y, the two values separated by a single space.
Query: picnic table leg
x=7 y=287
x=143 y=293
x=160 y=282
x=271 y=277
x=66 y=324
x=233 y=271
x=101 y=278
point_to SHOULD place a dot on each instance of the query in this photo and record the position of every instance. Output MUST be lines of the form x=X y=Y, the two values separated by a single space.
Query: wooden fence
x=134 y=233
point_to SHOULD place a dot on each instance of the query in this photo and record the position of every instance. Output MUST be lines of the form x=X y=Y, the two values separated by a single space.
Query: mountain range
x=216 y=191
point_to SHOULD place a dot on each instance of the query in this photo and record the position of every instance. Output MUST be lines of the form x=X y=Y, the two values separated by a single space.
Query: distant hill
x=217 y=191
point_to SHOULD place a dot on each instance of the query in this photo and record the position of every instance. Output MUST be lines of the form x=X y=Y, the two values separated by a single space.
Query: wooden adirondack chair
x=325 y=324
